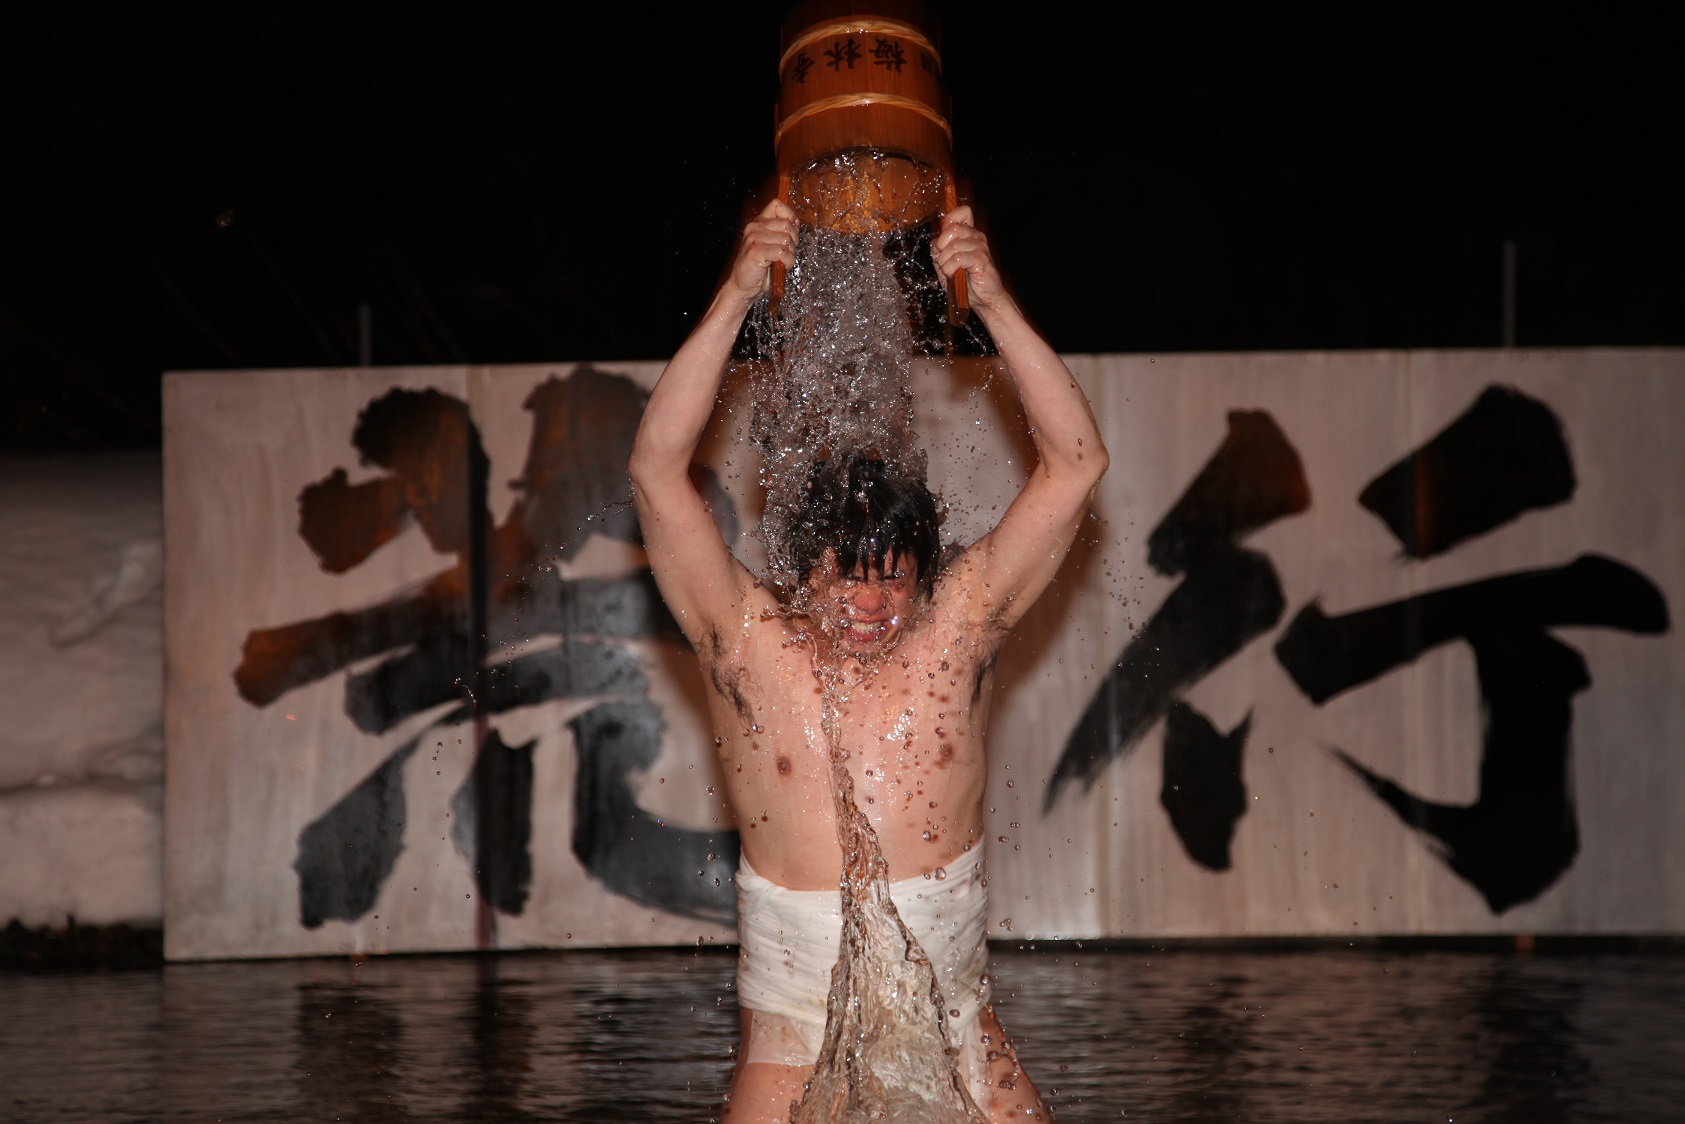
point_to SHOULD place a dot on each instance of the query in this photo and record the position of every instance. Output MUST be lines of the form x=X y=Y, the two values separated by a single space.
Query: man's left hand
x=960 y=245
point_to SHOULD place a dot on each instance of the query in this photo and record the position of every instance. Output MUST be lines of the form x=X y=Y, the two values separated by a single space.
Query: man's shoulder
x=960 y=593
x=957 y=624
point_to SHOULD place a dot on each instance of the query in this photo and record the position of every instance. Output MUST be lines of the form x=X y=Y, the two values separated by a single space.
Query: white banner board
x=1356 y=643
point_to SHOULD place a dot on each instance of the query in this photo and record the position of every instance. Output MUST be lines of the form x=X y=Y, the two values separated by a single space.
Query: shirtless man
x=916 y=645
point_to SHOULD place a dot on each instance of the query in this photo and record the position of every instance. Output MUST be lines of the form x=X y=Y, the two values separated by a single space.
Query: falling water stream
x=840 y=381
x=839 y=378
x=886 y=1055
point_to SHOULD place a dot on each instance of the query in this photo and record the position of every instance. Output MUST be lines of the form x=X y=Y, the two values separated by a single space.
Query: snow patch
x=89 y=851
x=82 y=686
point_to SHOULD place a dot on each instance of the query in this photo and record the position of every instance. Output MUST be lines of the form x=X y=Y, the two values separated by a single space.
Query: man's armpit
x=728 y=677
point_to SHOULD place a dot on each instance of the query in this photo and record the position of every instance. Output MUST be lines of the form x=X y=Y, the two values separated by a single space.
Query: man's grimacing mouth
x=871 y=629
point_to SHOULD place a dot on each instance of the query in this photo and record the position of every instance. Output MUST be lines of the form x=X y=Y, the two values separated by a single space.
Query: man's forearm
x=683 y=398
x=1061 y=423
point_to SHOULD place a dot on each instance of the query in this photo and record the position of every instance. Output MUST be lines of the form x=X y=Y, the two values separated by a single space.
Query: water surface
x=1179 y=1035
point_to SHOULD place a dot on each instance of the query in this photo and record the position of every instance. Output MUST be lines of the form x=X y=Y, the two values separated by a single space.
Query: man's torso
x=911 y=723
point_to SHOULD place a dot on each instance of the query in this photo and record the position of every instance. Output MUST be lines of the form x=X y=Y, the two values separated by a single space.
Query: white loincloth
x=788 y=944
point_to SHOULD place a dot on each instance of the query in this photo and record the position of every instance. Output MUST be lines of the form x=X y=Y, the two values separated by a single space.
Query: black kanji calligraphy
x=888 y=53
x=1503 y=457
x=432 y=645
x=1229 y=596
x=842 y=53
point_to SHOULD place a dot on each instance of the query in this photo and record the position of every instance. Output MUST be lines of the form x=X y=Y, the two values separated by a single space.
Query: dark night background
x=222 y=186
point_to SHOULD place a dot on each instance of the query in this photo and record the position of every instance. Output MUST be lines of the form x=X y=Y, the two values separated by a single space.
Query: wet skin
x=910 y=683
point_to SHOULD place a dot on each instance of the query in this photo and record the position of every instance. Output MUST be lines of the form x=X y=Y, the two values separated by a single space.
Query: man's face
x=862 y=612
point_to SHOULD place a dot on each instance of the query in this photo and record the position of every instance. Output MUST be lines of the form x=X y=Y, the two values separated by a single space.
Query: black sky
x=222 y=187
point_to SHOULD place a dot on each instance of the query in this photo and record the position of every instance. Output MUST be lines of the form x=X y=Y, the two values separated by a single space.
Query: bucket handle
x=959 y=288
x=775 y=276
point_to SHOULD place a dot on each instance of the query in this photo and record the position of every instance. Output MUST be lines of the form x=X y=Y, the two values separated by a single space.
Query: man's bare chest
x=916 y=697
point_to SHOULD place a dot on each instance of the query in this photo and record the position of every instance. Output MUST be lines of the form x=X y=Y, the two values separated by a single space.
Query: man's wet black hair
x=873 y=516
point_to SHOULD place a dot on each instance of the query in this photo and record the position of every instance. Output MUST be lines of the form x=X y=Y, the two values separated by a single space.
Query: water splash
x=886 y=1055
x=843 y=348
x=839 y=379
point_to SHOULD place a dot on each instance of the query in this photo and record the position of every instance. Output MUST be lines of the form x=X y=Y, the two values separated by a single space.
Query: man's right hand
x=769 y=237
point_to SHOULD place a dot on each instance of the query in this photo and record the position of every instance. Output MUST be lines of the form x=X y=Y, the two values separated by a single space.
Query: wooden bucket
x=861 y=126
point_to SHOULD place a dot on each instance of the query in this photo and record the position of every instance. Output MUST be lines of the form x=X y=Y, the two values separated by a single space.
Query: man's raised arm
x=697 y=573
x=1011 y=566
